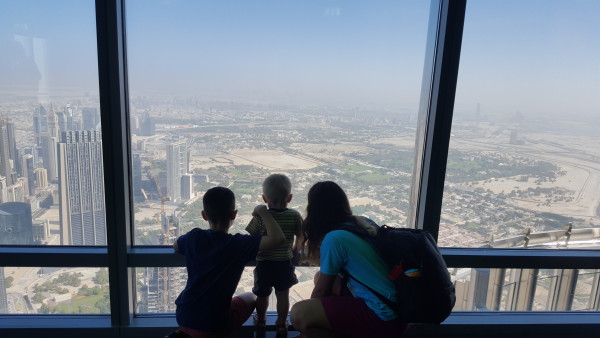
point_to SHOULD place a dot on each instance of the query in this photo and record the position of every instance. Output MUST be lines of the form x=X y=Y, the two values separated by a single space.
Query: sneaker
x=178 y=334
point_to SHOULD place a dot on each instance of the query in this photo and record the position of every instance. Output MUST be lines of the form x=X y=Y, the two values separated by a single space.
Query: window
x=558 y=274
x=322 y=91
x=523 y=162
x=51 y=172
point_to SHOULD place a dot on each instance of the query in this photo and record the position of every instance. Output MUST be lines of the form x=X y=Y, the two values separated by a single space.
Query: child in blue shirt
x=215 y=261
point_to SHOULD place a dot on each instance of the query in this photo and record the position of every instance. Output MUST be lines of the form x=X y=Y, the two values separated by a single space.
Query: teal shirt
x=345 y=251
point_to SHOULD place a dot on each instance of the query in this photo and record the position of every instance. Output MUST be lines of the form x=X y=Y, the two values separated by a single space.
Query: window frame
x=433 y=137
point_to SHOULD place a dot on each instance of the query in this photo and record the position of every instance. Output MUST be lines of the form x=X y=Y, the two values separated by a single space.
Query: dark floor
x=266 y=334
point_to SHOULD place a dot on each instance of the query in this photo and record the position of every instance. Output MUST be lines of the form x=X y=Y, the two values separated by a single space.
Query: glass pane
x=47 y=290
x=525 y=289
x=315 y=90
x=524 y=159
x=158 y=287
x=51 y=175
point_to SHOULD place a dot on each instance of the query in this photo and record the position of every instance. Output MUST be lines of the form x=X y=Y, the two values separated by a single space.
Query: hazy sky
x=528 y=56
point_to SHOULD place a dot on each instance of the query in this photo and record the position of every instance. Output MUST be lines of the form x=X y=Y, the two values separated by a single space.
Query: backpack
x=424 y=291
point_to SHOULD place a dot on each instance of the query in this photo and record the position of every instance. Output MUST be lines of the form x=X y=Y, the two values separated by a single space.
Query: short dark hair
x=218 y=203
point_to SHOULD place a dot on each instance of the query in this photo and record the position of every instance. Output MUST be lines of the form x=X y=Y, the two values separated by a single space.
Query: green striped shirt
x=289 y=220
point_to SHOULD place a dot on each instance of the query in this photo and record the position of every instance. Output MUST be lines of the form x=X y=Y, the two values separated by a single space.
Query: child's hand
x=258 y=210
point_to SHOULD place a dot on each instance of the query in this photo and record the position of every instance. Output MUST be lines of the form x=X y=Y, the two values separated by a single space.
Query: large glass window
x=523 y=164
x=484 y=289
x=227 y=93
x=158 y=287
x=230 y=92
x=50 y=290
x=51 y=174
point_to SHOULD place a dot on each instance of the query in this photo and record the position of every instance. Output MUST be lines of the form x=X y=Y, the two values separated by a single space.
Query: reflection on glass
x=523 y=165
x=47 y=290
x=482 y=289
x=158 y=287
x=318 y=91
x=51 y=174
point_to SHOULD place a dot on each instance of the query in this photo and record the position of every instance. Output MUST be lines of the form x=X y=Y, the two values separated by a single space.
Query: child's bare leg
x=283 y=305
x=262 y=303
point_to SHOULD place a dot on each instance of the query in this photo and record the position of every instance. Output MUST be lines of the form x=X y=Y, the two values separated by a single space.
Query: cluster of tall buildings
x=62 y=163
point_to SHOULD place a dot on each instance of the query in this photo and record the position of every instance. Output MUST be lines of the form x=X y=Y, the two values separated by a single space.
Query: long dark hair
x=327 y=206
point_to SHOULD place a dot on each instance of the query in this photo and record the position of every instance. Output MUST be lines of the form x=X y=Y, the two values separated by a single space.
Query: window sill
x=459 y=324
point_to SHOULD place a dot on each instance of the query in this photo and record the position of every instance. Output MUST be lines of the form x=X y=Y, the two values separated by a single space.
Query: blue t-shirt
x=344 y=251
x=215 y=262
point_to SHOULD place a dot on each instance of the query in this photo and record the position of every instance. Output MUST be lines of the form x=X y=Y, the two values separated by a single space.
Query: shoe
x=282 y=329
x=261 y=324
x=178 y=334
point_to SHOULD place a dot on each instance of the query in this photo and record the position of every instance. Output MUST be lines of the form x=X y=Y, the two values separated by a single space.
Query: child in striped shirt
x=274 y=268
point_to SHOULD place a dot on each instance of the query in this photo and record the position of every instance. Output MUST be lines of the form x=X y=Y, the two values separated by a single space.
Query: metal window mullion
x=112 y=74
x=435 y=115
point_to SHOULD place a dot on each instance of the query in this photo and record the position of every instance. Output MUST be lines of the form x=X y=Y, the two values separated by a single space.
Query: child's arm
x=274 y=236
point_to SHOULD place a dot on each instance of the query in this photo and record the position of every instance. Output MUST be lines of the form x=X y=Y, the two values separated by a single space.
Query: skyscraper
x=15 y=224
x=27 y=172
x=147 y=125
x=40 y=124
x=65 y=118
x=3 y=299
x=81 y=188
x=49 y=142
x=136 y=172
x=187 y=186
x=5 y=142
x=41 y=177
x=91 y=118
x=176 y=167
x=13 y=153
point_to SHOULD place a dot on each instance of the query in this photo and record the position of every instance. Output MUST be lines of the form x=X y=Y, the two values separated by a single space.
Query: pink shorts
x=351 y=317
x=239 y=312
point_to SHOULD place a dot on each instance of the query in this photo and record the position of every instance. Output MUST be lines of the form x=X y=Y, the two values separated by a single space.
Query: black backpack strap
x=362 y=233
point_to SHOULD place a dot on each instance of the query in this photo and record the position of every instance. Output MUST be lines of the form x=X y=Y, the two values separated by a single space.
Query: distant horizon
x=330 y=53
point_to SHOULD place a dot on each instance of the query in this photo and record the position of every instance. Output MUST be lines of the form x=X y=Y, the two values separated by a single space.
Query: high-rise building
x=49 y=142
x=18 y=191
x=15 y=224
x=3 y=298
x=13 y=153
x=3 y=190
x=41 y=178
x=40 y=124
x=81 y=188
x=65 y=118
x=27 y=172
x=160 y=284
x=136 y=172
x=91 y=119
x=5 y=142
x=147 y=125
x=176 y=167
x=187 y=186
x=41 y=230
